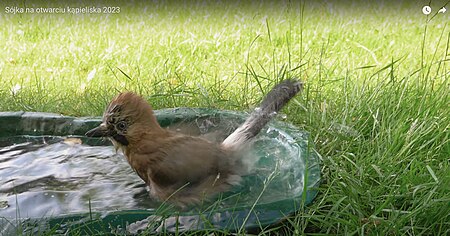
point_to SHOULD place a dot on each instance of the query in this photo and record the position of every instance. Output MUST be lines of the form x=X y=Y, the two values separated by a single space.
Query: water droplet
x=4 y=204
x=52 y=195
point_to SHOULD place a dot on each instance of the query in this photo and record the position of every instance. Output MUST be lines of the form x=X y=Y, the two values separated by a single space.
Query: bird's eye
x=122 y=125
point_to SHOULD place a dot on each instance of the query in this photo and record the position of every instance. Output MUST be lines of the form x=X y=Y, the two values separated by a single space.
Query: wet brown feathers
x=180 y=168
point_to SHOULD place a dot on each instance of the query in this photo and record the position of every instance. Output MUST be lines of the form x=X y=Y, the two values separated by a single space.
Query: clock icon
x=426 y=10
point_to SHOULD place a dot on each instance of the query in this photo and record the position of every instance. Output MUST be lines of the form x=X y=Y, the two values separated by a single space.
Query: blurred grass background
x=376 y=100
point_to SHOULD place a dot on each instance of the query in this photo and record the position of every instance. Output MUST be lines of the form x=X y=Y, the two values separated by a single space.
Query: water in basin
x=48 y=176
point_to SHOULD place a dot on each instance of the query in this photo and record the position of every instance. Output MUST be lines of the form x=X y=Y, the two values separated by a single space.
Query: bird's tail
x=270 y=106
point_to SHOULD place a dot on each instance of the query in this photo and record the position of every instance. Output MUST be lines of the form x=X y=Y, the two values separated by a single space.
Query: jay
x=179 y=168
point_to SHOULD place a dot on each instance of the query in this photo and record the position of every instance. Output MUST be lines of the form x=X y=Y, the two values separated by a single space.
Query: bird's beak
x=100 y=131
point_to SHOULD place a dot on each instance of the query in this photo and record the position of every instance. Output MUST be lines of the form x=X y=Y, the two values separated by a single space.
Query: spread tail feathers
x=270 y=106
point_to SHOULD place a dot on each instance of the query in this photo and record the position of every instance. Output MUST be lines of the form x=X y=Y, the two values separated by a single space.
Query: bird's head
x=126 y=116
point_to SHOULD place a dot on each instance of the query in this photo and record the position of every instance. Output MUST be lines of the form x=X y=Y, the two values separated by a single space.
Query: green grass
x=376 y=100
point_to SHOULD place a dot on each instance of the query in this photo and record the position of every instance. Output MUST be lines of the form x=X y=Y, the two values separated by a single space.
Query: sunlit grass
x=376 y=98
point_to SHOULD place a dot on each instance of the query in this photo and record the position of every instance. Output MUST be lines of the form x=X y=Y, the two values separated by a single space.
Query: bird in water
x=180 y=168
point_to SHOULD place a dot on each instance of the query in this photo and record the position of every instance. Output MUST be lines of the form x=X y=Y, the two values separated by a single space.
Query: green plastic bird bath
x=49 y=181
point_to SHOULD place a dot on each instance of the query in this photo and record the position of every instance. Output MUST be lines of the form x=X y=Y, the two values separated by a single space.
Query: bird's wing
x=182 y=159
x=191 y=159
